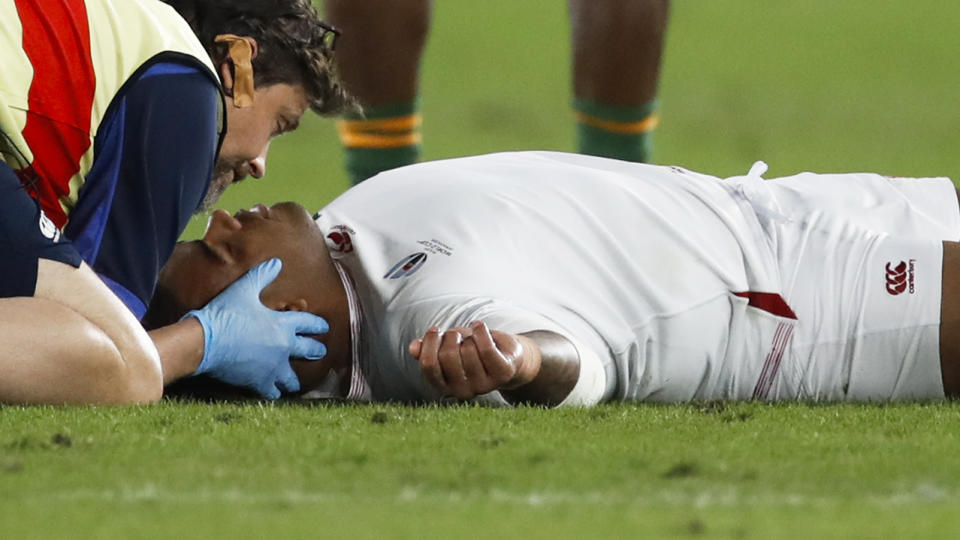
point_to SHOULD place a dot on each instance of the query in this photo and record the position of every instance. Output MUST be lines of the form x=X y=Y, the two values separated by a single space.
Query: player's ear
x=252 y=46
x=226 y=76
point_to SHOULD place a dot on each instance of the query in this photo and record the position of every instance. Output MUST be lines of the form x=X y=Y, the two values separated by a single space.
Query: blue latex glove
x=248 y=344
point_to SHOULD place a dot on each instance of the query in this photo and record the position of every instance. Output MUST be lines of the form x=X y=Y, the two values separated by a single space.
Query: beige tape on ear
x=241 y=53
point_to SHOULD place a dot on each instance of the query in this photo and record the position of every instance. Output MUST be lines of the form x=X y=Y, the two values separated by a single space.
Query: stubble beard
x=222 y=178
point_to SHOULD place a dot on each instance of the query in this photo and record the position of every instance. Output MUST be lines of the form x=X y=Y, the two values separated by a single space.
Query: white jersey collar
x=359 y=389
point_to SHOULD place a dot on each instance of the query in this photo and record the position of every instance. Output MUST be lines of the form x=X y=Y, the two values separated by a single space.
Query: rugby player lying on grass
x=563 y=279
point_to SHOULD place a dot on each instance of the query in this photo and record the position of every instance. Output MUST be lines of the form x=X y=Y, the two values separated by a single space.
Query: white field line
x=715 y=498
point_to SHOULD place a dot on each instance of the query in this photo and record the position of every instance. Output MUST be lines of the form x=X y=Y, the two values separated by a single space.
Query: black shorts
x=26 y=235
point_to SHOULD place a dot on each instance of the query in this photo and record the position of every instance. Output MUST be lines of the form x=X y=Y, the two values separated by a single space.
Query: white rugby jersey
x=660 y=276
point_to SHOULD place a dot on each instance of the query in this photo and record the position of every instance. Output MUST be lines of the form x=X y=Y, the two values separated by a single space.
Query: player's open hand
x=466 y=362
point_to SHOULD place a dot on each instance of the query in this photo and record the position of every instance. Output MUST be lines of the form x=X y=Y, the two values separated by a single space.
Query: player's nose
x=258 y=165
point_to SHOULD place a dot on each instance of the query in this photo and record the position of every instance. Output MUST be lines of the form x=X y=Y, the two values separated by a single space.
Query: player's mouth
x=239 y=174
x=260 y=209
x=257 y=210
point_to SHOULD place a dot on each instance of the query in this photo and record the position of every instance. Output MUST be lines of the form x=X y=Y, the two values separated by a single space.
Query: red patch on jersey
x=770 y=302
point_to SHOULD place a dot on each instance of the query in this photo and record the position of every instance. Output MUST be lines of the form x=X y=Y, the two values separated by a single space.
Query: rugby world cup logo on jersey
x=900 y=277
x=407 y=266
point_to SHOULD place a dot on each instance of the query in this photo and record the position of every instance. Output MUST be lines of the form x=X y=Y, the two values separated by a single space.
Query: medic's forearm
x=181 y=348
x=555 y=369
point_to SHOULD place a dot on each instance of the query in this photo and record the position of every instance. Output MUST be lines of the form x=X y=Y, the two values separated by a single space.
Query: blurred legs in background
x=378 y=57
x=617 y=46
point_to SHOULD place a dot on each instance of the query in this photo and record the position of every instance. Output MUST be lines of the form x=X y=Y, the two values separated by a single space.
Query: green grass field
x=823 y=86
x=295 y=471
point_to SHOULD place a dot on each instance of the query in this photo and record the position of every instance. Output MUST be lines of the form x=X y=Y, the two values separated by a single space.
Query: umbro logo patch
x=900 y=277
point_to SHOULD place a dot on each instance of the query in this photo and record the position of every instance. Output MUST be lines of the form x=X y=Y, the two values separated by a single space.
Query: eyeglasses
x=306 y=33
x=329 y=36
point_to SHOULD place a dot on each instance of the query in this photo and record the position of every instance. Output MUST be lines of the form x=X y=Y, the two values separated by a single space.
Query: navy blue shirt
x=154 y=155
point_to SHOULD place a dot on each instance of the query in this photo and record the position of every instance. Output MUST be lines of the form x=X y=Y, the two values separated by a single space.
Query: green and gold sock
x=385 y=137
x=616 y=132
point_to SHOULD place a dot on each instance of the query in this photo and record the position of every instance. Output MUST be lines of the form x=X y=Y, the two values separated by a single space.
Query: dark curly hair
x=295 y=46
